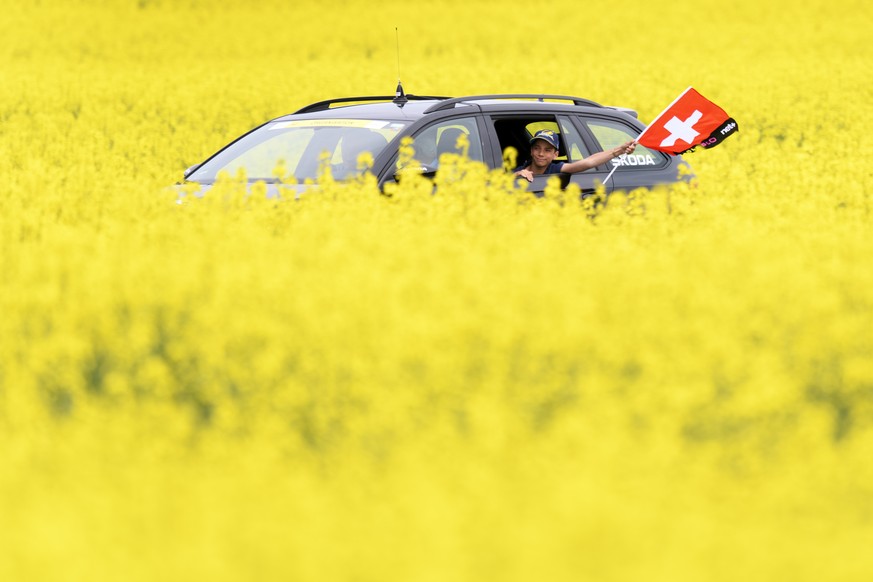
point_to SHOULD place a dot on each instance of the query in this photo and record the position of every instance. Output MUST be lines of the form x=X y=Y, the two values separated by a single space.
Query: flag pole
x=608 y=176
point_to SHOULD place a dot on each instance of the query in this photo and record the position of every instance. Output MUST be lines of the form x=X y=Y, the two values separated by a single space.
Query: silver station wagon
x=335 y=132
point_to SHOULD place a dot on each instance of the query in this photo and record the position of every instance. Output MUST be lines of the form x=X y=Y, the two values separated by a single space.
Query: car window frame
x=492 y=117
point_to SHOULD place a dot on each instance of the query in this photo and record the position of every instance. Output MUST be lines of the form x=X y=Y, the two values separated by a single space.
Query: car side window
x=610 y=134
x=442 y=138
x=516 y=131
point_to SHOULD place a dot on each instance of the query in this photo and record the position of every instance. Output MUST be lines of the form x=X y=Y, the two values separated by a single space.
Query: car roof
x=381 y=110
x=386 y=107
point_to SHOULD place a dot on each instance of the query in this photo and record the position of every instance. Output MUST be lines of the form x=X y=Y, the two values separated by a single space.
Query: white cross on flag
x=690 y=121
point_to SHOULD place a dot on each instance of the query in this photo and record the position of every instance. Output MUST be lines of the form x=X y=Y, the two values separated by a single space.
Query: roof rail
x=324 y=105
x=449 y=103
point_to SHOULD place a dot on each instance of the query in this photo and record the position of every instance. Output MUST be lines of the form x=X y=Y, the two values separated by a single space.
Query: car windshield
x=299 y=148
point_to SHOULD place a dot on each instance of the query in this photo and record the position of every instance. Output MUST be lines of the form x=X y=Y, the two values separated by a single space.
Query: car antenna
x=399 y=96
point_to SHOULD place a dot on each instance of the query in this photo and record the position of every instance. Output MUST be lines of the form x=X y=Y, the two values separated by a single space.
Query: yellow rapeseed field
x=471 y=386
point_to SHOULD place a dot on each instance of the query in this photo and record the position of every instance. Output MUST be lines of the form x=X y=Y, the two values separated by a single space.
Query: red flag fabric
x=690 y=121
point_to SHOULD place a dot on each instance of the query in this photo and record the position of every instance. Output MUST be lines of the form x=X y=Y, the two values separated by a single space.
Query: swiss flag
x=690 y=121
